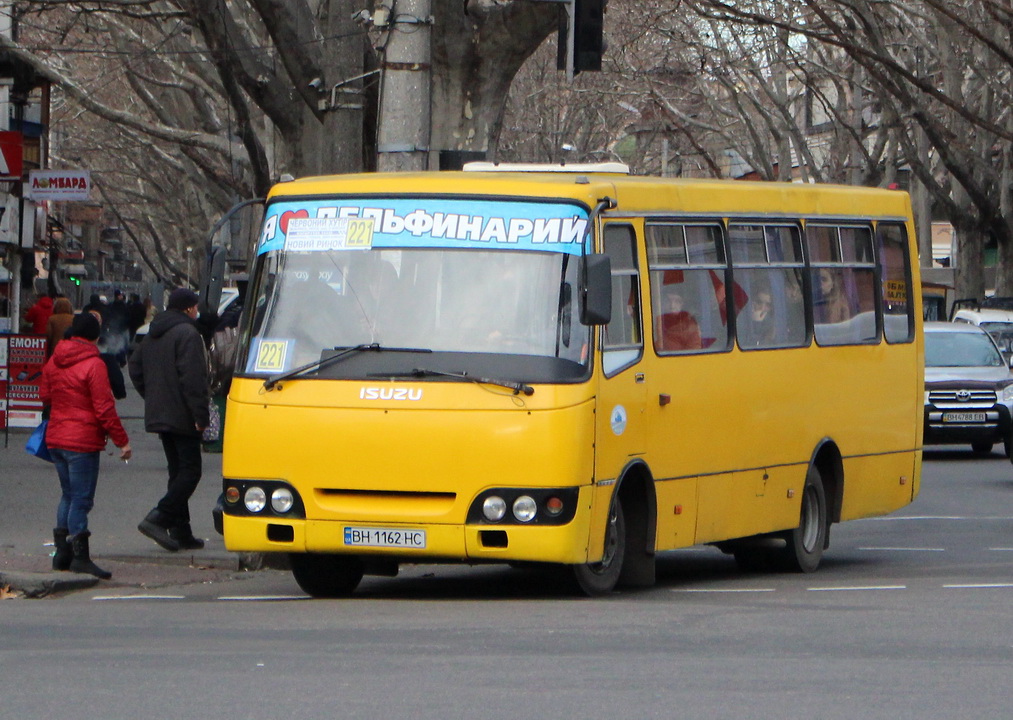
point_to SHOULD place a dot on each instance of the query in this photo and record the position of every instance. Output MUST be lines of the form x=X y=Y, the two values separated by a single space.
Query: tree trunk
x=477 y=51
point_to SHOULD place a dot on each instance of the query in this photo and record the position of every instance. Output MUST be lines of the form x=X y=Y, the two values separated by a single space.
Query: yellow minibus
x=571 y=366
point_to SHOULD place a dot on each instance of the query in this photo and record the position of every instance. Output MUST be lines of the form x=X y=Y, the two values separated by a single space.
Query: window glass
x=844 y=307
x=704 y=244
x=856 y=244
x=665 y=245
x=774 y=312
x=688 y=311
x=783 y=244
x=747 y=244
x=821 y=241
x=620 y=248
x=622 y=338
x=893 y=259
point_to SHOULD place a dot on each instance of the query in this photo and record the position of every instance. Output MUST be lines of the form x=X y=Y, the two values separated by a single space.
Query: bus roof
x=636 y=195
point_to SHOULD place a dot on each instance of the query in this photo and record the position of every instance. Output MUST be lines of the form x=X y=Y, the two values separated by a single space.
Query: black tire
x=804 y=545
x=326 y=576
x=596 y=579
x=982 y=447
x=1007 y=445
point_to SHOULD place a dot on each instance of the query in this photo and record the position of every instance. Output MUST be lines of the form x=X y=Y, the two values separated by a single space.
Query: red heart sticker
x=288 y=215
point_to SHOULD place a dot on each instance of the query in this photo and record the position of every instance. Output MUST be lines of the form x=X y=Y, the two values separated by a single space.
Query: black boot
x=183 y=535
x=82 y=557
x=63 y=554
x=156 y=527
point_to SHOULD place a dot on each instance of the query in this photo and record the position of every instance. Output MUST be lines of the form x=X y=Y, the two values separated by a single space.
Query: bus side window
x=622 y=338
x=895 y=270
x=687 y=267
x=843 y=284
x=768 y=269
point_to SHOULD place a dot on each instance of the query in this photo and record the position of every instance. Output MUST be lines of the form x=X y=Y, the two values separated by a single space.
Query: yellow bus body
x=723 y=440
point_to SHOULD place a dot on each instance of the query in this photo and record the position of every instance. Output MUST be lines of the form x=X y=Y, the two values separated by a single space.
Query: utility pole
x=404 y=126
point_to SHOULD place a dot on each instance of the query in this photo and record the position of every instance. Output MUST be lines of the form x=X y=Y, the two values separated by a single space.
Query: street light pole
x=189 y=251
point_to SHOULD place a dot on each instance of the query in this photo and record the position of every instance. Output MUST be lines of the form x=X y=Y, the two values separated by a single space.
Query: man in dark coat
x=169 y=369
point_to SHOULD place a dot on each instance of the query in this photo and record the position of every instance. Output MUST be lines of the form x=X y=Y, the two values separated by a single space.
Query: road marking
x=857 y=587
x=976 y=586
x=1001 y=549
x=139 y=597
x=902 y=549
x=263 y=598
x=891 y=518
x=723 y=590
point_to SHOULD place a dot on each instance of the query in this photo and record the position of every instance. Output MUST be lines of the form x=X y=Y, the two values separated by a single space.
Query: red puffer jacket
x=75 y=384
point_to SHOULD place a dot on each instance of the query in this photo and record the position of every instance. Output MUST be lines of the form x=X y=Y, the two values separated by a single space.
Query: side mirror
x=212 y=281
x=596 y=290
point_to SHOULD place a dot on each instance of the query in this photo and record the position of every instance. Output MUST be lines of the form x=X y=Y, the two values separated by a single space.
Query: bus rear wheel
x=600 y=578
x=804 y=545
x=326 y=576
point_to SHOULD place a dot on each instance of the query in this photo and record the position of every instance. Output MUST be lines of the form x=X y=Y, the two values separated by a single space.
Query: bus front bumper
x=415 y=543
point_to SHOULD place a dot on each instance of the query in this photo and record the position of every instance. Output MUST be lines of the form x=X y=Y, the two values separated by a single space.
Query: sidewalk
x=30 y=491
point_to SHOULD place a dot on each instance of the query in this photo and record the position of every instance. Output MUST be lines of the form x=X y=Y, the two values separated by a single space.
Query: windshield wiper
x=328 y=361
x=518 y=388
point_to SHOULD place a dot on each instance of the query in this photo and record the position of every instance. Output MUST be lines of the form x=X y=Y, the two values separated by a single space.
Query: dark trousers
x=183 y=454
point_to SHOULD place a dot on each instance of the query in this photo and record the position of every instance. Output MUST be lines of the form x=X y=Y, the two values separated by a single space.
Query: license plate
x=385 y=537
x=964 y=417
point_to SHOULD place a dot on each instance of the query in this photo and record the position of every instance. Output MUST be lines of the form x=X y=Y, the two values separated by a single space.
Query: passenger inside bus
x=677 y=329
x=757 y=325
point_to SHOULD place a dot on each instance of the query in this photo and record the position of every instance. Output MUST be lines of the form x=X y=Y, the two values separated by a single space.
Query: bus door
x=620 y=432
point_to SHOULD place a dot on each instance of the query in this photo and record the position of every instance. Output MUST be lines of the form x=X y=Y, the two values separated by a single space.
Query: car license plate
x=964 y=417
x=385 y=537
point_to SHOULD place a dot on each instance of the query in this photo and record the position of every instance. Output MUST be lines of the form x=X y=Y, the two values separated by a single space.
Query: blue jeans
x=78 y=473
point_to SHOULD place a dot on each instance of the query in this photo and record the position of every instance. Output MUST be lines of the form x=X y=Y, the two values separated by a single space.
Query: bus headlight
x=525 y=508
x=494 y=508
x=255 y=499
x=282 y=500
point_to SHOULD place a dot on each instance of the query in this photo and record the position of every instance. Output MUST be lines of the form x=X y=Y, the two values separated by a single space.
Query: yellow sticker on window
x=271 y=356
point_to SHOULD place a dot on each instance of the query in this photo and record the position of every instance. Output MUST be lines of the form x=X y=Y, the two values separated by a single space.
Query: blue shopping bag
x=36 y=444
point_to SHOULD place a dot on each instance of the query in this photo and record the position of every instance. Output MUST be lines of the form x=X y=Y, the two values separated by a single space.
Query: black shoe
x=151 y=527
x=64 y=554
x=183 y=536
x=82 y=557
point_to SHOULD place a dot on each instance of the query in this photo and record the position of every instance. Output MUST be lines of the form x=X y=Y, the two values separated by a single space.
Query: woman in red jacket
x=82 y=413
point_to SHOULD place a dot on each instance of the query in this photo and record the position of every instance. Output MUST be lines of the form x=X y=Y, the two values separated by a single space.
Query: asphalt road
x=909 y=617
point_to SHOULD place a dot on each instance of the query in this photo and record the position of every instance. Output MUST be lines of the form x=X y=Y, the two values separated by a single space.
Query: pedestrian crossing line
x=139 y=597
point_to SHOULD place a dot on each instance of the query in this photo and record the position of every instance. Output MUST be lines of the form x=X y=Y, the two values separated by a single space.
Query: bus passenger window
x=622 y=339
x=895 y=271
x=843 y=284
x=687 y=268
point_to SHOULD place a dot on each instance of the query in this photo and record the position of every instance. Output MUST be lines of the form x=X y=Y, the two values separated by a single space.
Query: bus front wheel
x=326 y=576
x=600 y=578
x=804 y=545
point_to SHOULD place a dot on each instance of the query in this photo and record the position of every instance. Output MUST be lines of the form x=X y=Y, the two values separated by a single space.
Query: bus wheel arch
x=628 y=558
x=820 y=506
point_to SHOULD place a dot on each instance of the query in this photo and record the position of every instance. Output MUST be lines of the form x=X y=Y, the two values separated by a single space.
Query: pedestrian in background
x=58 y=324
x=169 y=369
x=82 y=415
x=38 y=314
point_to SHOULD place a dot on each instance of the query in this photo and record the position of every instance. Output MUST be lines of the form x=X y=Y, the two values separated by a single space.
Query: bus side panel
x=878 y=484
x=677 y=513
x=740 y=504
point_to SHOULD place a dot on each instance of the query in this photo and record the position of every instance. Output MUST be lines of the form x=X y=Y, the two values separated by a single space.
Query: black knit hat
x=85 y=325
x=182 y=299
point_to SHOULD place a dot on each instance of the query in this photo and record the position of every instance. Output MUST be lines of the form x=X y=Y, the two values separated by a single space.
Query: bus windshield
x=505 y=313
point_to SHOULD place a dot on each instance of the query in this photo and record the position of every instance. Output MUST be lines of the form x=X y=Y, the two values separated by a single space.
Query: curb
x=38 y=585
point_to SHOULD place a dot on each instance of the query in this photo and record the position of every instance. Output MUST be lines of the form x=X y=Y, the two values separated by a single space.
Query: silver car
x=968 y=388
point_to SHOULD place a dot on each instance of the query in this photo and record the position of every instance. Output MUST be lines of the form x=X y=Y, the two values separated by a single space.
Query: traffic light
x=587 y=41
